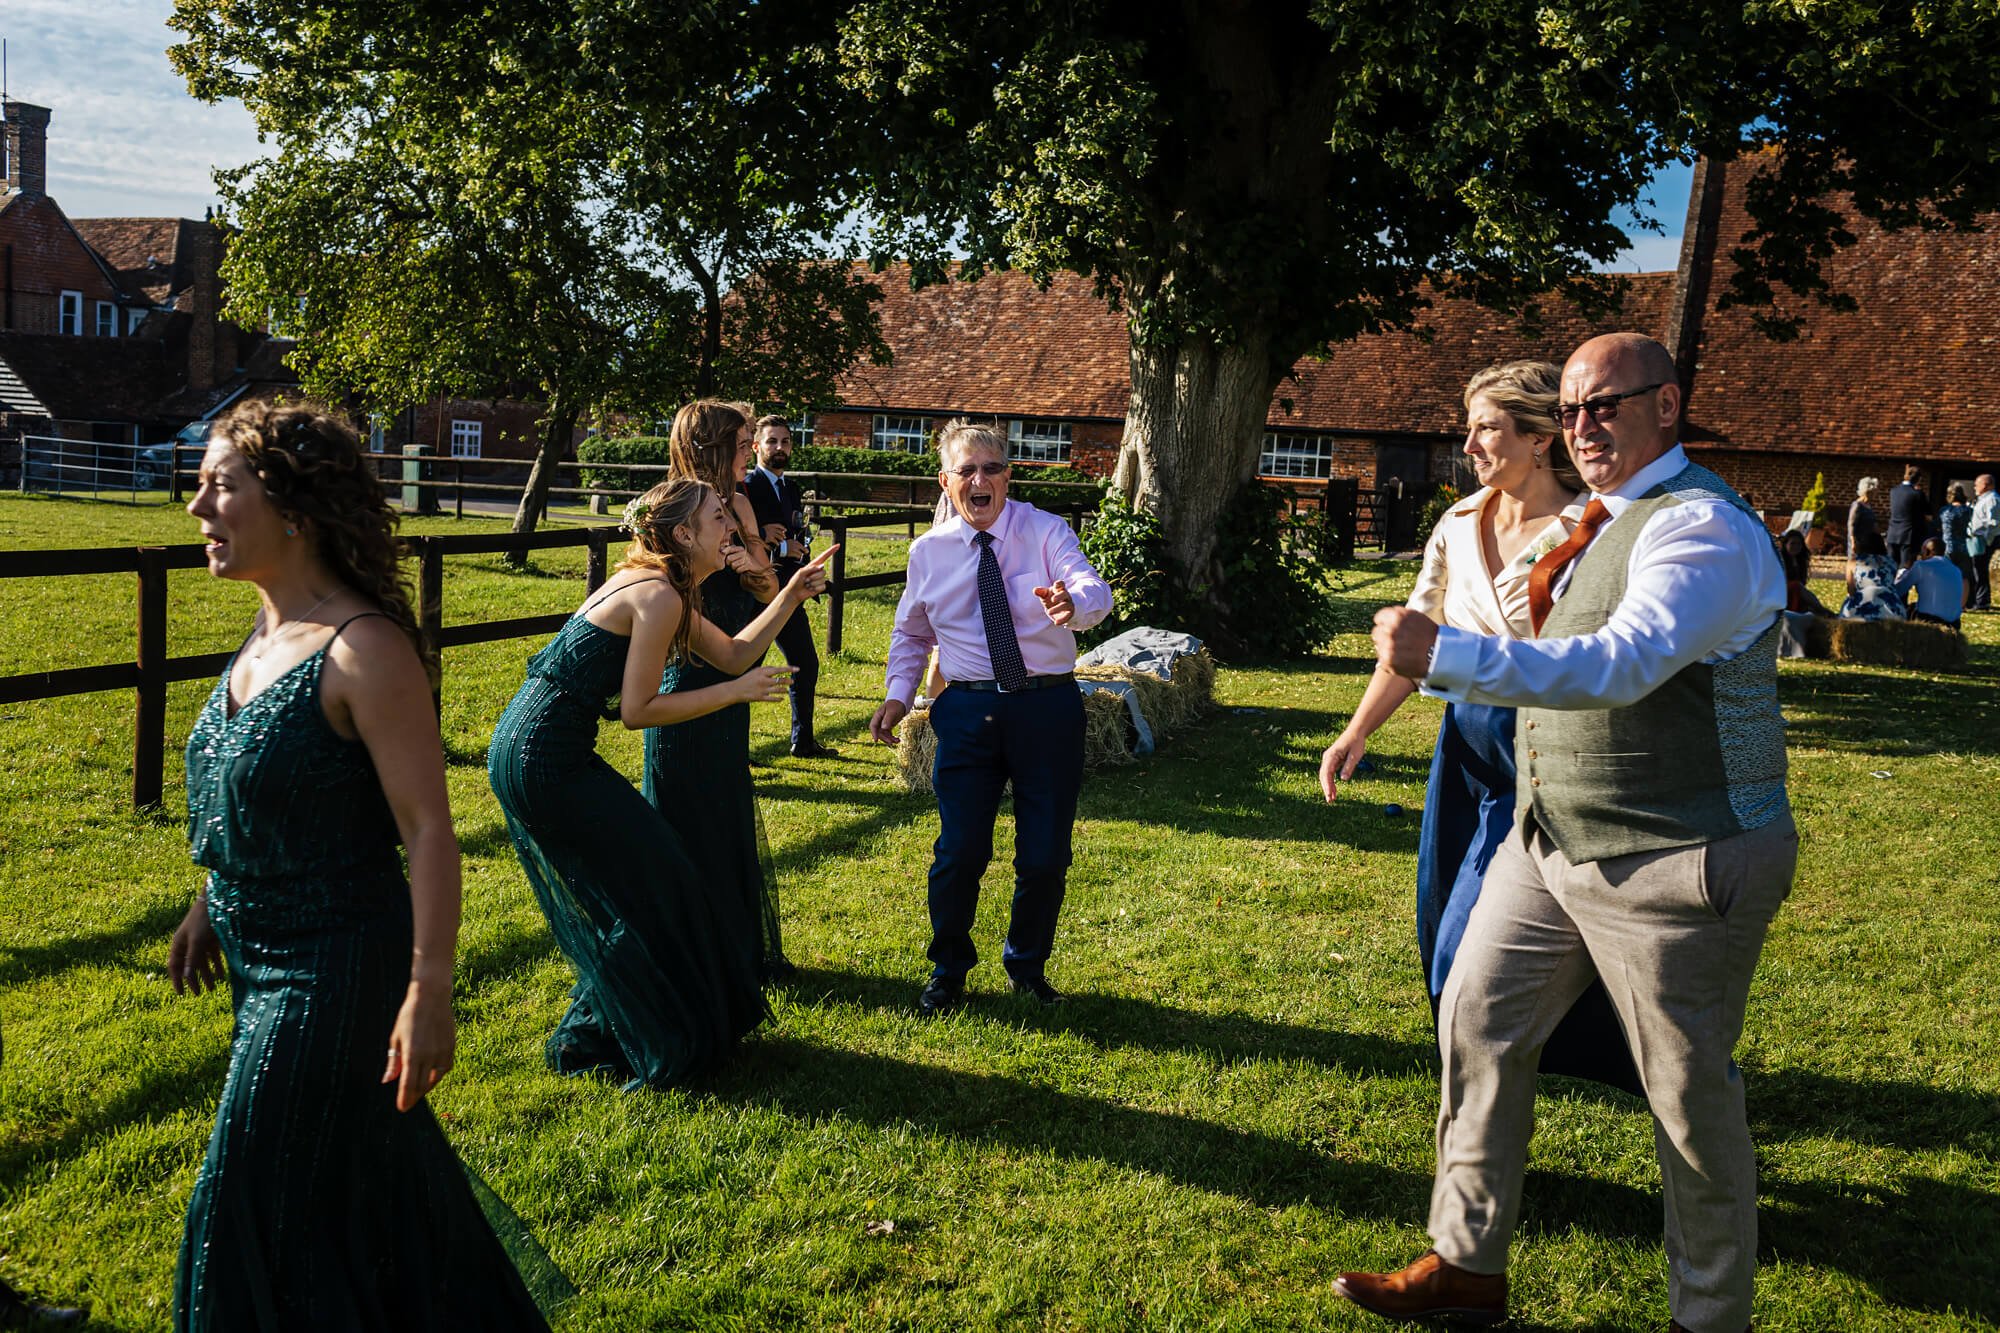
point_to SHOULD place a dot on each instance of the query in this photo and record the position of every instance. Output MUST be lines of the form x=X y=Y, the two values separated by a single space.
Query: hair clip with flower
x=634 y=516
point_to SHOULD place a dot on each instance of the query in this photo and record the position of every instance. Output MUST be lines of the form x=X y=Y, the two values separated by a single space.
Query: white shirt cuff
x=1454 y=664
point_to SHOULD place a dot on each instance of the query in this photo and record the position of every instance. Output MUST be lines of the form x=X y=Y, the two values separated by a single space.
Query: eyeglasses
x=971 y=470
x=1604 y=407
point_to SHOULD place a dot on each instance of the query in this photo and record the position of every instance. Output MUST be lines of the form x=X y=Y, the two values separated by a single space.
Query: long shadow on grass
x=1845 y=707
x=1931 y=1246
x=1797 y=1103
x=150 y=930
x=168 y=1088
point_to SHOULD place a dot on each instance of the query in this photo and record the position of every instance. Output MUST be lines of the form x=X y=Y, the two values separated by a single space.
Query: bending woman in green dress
x=329 y=1198
x=667 y=960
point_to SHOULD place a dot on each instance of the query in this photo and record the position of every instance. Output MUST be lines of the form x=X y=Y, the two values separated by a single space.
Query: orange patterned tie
x=1542 y=577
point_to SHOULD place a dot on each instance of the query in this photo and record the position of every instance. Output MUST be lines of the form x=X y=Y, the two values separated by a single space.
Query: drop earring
x=291 y=532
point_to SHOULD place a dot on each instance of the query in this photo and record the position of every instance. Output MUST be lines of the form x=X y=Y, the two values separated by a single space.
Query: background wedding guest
x=1653 y=844
x=1862 y=529
x=1954 y=524
x=1935 y=582
x=1871 y=589
x=1909 y=516
x=1475 y=577
x=1982 y=537
x=781 y=514
x=329 y=1196
x=1000 y=589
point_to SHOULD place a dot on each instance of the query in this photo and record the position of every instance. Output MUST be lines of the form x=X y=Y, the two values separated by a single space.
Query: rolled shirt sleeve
x=1067 y=564
x=1703 y=583
x=910 y=644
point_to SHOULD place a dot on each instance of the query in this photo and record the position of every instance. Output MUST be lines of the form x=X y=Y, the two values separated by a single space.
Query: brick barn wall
x=48 y=260
x=1094 y=445
x=844 y=430
x=511 y=429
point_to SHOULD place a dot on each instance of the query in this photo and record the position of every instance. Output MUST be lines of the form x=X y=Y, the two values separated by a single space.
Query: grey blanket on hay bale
x=1138 y=689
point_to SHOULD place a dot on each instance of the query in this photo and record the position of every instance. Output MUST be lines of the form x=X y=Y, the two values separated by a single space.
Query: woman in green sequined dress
x=329 y=1198
x=697 y=772
x=668 y=972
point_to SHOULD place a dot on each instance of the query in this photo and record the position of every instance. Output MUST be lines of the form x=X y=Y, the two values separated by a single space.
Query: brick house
x=110 y=328
x=1858 y=394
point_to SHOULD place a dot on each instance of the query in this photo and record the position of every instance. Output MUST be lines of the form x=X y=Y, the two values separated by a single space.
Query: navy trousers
x=1034 y=738
x=795 y=641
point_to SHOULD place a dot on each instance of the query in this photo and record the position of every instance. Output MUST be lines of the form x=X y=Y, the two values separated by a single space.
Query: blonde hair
x=961 y=433
x=1528 y=391
x=673 y=502
x=702 y=444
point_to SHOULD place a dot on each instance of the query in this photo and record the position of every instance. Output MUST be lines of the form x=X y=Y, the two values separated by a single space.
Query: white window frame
x=467 y=437
x=802 y=431
x=107 y=319
x=901 y=434
x=69 y=314
x=134 y=317
x=1296 y=455
x=1031 y=441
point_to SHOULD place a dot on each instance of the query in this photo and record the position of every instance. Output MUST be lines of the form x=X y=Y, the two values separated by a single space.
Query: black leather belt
x=1033 y=683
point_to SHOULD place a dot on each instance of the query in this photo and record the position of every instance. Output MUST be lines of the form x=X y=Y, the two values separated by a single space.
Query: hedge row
x=600 y=450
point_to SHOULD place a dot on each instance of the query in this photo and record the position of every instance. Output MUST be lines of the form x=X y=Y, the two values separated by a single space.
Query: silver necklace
x=265 y=637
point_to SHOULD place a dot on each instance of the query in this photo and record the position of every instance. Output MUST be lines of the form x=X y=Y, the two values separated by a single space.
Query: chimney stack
x=201 y=252
x=27 y=148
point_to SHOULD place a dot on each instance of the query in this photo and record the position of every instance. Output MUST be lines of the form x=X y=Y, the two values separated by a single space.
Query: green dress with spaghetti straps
x=667 y=975
x=698 y=777
x=320 y=1205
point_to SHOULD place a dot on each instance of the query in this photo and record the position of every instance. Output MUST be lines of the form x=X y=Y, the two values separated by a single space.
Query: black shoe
x=941 y=996
x=16 y=1311
x=814 y=750
x=1037 y=987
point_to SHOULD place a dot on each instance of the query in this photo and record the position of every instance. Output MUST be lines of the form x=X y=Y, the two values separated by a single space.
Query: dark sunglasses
x=1604 y=407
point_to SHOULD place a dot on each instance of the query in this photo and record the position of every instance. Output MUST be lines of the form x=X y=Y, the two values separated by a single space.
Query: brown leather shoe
x=1430 y=1288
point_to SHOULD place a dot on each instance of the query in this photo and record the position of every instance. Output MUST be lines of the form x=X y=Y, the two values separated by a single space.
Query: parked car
x=152 y=465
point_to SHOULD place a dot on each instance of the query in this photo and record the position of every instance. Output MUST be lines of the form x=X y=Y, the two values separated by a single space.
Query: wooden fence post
x=149 y=720
x=837 y=594
x=430 y=606
x=910 y=499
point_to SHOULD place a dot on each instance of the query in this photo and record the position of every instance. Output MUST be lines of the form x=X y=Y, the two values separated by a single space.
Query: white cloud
x=125 y=139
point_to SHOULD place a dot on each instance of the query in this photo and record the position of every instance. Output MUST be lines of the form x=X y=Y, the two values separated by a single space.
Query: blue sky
x=126 y=140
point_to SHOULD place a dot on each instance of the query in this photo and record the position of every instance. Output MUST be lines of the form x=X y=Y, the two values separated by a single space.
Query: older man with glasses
x=999 y=589
x=1653 y=843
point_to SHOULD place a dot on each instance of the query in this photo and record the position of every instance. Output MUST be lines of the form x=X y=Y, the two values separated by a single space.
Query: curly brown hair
x=315 y=471
x=673 y=502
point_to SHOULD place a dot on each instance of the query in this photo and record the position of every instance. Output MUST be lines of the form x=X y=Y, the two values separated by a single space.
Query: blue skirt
x=1468 y=811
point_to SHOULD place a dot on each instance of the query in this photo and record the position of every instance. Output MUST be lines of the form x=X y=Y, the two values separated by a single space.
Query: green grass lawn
x=1237 y=1103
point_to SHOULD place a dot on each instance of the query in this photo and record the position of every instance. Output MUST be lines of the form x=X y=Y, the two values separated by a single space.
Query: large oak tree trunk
x=1192 y=436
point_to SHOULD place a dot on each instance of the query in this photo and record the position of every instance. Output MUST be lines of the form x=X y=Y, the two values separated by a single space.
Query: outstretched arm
x=1384 y=695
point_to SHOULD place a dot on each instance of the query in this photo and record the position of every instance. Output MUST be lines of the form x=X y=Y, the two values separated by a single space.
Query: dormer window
x=69 y=314
x=107 y=320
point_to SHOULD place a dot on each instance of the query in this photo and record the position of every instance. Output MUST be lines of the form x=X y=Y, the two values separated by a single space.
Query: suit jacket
x=783 y=504
x=1909 y=513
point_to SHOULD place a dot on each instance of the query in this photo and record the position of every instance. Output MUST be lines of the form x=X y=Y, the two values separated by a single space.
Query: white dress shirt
x=1703 y=582
x=1985 y=521
x=1454 y=587
x=940 y=605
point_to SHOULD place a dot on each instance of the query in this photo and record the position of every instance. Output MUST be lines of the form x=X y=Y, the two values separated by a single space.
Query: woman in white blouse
x=1475 y=577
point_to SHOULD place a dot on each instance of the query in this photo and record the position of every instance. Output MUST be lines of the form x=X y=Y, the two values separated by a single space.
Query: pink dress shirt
x=940 y=605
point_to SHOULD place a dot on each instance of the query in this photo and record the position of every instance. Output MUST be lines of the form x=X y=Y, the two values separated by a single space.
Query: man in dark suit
x=1909 y=517
x=781 y=515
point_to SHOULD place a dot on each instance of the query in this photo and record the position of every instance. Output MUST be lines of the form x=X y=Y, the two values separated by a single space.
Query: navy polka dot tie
x=1001 y=645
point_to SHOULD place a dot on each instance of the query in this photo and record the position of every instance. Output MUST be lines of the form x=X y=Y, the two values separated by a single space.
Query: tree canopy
x=1254 y=182
x=598 y=205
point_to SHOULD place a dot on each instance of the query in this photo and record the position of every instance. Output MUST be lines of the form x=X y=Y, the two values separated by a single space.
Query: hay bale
x=1905 y=643
x=1107 y=729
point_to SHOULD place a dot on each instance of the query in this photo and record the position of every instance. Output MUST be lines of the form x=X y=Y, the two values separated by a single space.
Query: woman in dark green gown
x=329 y=1198
x=668 y=976
x=697 y=772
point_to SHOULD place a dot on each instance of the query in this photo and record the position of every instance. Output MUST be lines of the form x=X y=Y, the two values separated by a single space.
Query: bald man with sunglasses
x=1653 y=844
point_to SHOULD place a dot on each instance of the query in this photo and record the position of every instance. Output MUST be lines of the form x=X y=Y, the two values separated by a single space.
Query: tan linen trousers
x=1675 y=935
